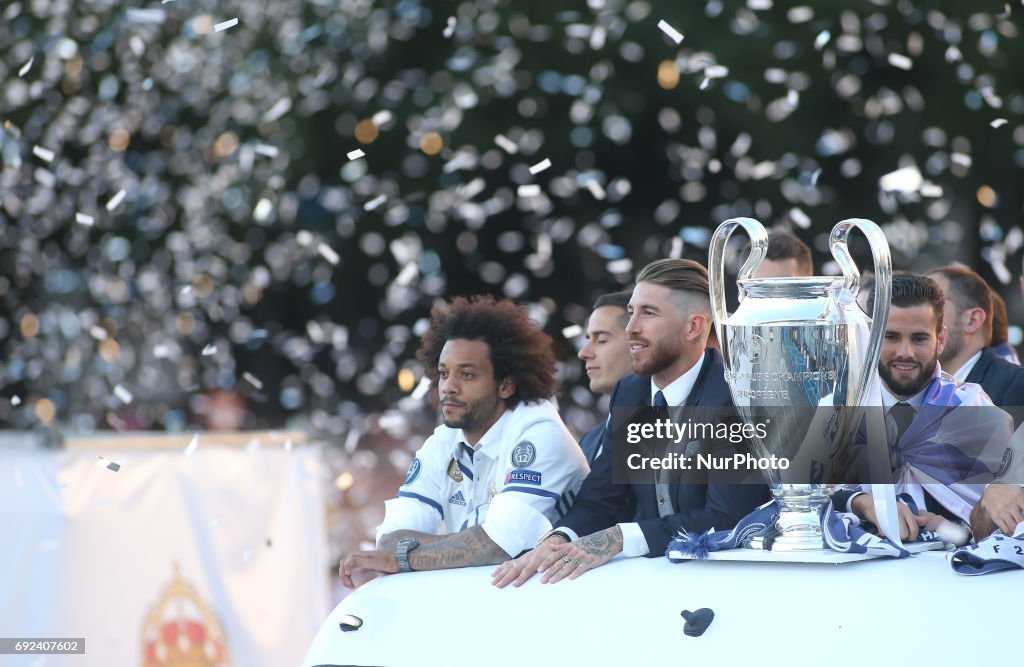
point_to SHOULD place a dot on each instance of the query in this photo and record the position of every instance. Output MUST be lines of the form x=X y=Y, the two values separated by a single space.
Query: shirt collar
x=961 y=375
x=489 y=444
x=679 y=389
x=888 y=400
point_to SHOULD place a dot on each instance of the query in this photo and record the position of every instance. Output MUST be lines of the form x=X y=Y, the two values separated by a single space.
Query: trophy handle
x=883 y=284
x=716 y=267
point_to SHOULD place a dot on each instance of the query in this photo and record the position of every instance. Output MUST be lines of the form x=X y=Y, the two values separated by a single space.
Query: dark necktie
x=659 y=400
x=903 y=415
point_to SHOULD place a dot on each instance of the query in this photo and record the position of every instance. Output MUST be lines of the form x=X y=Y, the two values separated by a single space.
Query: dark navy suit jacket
x=591 y=442
x=1001 y=380
x=700 y=507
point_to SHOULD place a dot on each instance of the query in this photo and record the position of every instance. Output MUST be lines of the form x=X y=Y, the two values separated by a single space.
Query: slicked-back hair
x=968 y=290
x=618 y=300
x=519 y=349
x=784 y=245
x=679 y=275
x=1000 y=320
x=911 y=289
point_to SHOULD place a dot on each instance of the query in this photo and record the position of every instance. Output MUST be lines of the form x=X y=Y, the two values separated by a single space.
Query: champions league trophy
x=800 y=353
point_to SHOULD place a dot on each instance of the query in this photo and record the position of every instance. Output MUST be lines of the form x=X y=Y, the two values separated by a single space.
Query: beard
x=661 y=354
x=911 y=385
x=954 y=344
x=474 y=414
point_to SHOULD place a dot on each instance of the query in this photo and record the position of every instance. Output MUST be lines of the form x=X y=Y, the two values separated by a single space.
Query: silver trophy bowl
x=800 y=354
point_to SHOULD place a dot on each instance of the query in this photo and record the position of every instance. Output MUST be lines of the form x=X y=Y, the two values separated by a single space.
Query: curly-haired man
x=501 y=469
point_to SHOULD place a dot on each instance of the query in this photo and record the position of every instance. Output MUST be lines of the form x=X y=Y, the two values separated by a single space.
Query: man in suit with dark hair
x=1001 y=330
x=787 y=257
x=968 y=319
x=606 y=355
x=670 y=318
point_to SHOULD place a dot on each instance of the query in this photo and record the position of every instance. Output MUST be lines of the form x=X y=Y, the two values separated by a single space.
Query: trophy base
x=795 y=531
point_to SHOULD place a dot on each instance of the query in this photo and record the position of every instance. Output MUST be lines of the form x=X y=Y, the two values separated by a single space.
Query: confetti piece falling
x=382 y=118
x=596 y=189
x=540 y=166
x=526 y=191
x=98 y=332
x=572 y=331
x=375 y=202
x=267 y=150
x=356 y=154
x=676 y=251
x=252 y=379
x=449 y=29
x=822 y=39
x=116 y=200
x=900 y=61
x=907 y=179
x=209 y=350
x=123 y=394
x=327 y=252
x=15 y=400
x=506 y=144
x=84 y=219
x=671 y=32
x=421 y=389
x=149 y=16
x=44 y=154
x=224 y=25
x=26 y=67
x=192 y=446
x=998 y=122
x=799 y=218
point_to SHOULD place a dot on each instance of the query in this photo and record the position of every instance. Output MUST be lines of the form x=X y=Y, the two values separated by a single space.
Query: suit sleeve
x=724 y=506
x=418 y=504
x=601 y=503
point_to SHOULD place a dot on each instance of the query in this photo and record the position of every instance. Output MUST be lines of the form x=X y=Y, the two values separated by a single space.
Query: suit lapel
x=978 y=372
x=698 y=386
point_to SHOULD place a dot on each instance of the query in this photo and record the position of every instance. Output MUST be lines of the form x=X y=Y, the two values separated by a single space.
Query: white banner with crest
x=191 y=554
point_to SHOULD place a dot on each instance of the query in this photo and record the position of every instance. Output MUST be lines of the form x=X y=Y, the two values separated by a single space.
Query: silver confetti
x=900 y=61
x=375 y=202
x=596 y=189
x=356 y=154
x=252 y=379
x=506 y=144
x=149 y=16
x=526 y=191
x=116 y=200
x=540 y=166
x=44 y=154
x=267 y=150
x=572 y=331
x=192 y=446
x=449 y=29
x=15 y=400
x=224 y=25
x=26 y=67
x=998 y=122
x=822 y=39
x=671 y=32
x=328 y=253
x=123 y=394
x=84 y=219
x=209 y=350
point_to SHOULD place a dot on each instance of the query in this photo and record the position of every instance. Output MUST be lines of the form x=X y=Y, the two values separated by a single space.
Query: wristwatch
x=402 y=550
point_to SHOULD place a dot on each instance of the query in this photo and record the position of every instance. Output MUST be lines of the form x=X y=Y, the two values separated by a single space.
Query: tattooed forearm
x=467 y=548
x=390 y=541
x=605 y=543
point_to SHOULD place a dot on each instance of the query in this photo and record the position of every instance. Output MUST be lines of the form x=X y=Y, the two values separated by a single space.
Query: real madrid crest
x=182 y=631
x=454 y=472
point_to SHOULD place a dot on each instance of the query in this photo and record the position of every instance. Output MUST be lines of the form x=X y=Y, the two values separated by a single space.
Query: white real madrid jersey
x=520 y=478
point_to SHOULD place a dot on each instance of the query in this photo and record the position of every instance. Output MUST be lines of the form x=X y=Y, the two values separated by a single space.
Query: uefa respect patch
x=414 y=471
x=523 y=477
